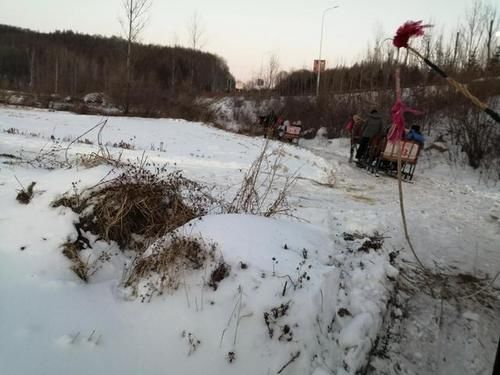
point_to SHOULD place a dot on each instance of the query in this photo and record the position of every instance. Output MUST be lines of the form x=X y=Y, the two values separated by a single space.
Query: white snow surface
x=61 y=325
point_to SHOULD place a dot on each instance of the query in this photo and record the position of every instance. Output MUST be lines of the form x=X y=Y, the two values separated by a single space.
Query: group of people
x=370 y=132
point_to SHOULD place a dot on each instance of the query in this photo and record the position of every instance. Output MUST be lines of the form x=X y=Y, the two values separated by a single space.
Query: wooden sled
x=387 y=160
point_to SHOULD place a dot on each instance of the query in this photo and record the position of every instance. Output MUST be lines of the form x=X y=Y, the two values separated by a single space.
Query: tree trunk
x=32 y=71
x=455 y=51
x=75 y=77
x=127 y=83
x=129 y=53
x=172 y=85
x=496 y=366
x=488 y=44
x=56 y=85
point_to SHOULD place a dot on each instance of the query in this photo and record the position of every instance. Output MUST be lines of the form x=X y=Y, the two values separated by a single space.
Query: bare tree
x=494 y=24
x=196 y=39
x=133 y=24
x=32 y=70
x=473 y=31
x=480 y=20
x=273 y=69
x=378 y=53
x=196 y=31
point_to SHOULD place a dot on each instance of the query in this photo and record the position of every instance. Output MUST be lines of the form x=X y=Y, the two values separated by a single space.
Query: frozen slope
x=48 y=314
x=62 y=325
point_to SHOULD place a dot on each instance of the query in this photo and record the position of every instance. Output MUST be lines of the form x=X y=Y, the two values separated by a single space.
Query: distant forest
x=468 y=52
x=72 y=64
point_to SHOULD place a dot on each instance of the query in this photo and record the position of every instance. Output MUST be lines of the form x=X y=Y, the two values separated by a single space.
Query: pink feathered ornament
x=398 y=120
x=407 y=31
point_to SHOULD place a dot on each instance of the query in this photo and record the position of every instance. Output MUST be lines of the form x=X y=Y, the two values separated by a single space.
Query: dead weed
x=138 y=207
x=261 y=191
x=163 y=267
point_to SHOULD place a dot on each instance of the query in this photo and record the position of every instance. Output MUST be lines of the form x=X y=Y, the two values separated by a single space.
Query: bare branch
x=196 y=32
x=133 y=23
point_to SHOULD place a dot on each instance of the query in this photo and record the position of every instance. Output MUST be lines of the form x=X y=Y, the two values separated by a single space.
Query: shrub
x=475 y=133
x=138 y=207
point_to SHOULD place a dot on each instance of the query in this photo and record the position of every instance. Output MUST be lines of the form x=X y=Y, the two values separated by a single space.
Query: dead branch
x=101 y=123
x=294 y=357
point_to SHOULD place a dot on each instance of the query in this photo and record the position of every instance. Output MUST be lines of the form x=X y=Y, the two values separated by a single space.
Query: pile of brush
x=139 y=206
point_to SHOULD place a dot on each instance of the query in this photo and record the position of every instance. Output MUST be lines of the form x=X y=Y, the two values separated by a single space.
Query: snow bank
x=318 y=291
x=63 y=325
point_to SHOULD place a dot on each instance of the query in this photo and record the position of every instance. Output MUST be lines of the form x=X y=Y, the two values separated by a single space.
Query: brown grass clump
x=95 y=159
x=164 y=265
x=71 y=250
x=83 y=268
x=138 y=207
x=144 y=208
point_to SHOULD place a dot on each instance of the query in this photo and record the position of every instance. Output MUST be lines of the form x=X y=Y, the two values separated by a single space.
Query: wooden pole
x=56 y=86
x=496 y=366
x=400 y=184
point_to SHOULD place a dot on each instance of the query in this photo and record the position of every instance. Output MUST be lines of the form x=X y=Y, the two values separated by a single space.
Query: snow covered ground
x=62 y=325
x=454 y=225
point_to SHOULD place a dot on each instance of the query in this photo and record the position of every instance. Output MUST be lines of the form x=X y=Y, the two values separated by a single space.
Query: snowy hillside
x=303 y=294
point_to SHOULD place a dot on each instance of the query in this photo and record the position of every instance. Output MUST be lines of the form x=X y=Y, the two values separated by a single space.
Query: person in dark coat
x=269 y=121
x=373 y=127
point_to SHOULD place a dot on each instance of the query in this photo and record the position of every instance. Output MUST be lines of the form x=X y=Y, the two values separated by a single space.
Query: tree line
x=470 y=51
x=74 y=64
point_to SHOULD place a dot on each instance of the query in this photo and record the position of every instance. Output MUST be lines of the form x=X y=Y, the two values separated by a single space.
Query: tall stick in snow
x=133 y=24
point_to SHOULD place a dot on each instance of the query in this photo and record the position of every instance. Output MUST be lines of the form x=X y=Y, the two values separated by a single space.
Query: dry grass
x=84 y=269
x=95 y=159
x=148 y=209
x=138 y=207
x=362 y=199
x=72 y=251
x=261 y=191
x=164 y=265
x=445 y=284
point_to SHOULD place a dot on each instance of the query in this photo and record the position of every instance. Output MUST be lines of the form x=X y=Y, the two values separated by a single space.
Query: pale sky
x=245 y=33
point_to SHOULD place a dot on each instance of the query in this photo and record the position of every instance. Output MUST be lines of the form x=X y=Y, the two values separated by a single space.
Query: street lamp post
x=321 y=46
